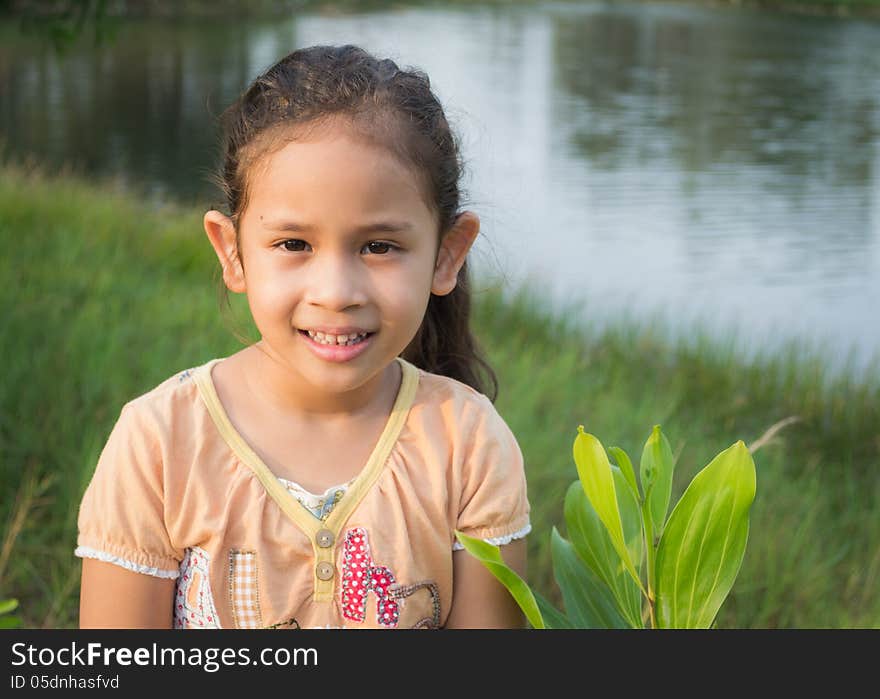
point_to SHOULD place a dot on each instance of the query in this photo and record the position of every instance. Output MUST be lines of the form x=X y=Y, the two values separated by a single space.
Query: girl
x=316 y=478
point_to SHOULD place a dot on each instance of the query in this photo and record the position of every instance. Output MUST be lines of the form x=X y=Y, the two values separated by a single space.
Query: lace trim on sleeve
x=86 y=552
x=498 y=540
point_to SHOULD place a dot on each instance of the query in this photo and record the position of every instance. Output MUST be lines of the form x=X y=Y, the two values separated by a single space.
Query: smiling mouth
x=336 y=340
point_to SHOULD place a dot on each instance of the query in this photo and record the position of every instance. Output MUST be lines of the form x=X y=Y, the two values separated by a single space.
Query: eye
x=377 y=247
x=293 y=245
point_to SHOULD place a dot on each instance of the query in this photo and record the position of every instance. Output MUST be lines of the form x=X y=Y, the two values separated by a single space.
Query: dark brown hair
x=395 y=108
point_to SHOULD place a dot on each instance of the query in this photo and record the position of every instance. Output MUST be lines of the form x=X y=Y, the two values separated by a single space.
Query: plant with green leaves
x=625 y=564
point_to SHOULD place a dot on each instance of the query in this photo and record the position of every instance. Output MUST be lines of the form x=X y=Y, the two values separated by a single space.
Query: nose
x=335 y=282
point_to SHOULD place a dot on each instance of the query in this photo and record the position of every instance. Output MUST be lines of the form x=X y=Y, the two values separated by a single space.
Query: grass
x=104 y=297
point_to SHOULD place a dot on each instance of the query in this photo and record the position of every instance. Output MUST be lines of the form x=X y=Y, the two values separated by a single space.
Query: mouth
x=331 y=340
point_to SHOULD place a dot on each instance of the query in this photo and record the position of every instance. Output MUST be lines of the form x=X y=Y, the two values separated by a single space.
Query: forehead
x=333 y=172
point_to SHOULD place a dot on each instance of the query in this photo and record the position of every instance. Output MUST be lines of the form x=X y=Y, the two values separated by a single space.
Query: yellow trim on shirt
x=289 y=505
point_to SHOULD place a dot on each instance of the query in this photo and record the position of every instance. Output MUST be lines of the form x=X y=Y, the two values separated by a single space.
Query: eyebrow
x=288 y=226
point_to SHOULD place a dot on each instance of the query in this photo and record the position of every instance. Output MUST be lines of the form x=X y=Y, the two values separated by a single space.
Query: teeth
x=352 y=339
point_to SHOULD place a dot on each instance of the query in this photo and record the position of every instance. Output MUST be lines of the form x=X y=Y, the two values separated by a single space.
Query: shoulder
x=161 y=408
x=464 y=413
x=445 y=394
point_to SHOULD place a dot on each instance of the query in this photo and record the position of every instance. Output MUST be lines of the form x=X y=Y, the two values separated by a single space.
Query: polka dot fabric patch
x=360 y=577
x=193 y=602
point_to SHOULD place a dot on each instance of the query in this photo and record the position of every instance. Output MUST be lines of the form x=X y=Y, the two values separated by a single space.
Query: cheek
x=407 y=292
x=271 y=297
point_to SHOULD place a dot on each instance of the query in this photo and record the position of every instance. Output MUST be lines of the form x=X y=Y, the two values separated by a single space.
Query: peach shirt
x=178 y=493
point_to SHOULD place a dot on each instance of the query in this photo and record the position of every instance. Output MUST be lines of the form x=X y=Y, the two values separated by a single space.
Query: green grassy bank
x=104 y=297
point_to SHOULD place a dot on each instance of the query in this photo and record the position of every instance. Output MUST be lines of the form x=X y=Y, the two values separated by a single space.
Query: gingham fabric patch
x=243 y=593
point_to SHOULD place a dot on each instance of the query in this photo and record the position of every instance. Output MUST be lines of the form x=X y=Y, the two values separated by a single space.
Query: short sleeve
x=121 y=515
x=494 y=502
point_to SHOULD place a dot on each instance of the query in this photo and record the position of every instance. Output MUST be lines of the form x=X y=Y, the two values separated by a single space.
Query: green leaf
x=593 y=544
x=594 y=471
x=656 y=469
x=553 y=618
x=701 y=551
x=10 y=622
x=626 y=467
x=490 y=556
x=589 y=603
x=8 y=605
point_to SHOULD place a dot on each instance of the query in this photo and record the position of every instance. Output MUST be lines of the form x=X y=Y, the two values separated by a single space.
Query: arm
x=479 y=600
x=116 y=598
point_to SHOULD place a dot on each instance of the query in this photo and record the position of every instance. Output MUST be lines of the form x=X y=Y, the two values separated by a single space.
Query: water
x=716 y=165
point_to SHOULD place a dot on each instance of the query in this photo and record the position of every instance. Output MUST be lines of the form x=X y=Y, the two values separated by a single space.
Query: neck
x=284 y=392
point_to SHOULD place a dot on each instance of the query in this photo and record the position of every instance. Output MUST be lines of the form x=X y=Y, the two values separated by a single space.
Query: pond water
x=714 y=165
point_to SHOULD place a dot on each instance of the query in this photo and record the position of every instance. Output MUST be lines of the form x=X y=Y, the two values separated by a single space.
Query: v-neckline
x=291 y=507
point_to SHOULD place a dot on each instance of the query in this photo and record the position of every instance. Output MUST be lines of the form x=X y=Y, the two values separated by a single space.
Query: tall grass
x=104 y=297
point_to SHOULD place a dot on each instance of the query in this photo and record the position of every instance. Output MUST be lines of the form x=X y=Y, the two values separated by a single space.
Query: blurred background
x=680 y=208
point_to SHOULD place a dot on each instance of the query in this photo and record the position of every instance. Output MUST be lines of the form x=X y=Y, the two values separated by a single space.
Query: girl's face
x=336 y=238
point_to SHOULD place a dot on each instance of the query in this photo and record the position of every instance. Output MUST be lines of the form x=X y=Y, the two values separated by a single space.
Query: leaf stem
x=648 y=528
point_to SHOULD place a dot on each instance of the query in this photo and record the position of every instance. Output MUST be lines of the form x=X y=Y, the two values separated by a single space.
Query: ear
x=221 y=233
x=453 y=251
